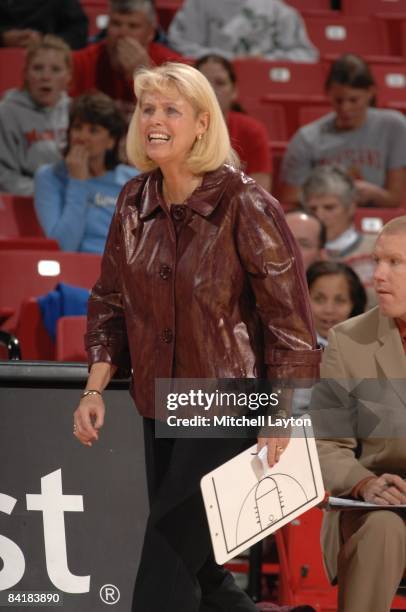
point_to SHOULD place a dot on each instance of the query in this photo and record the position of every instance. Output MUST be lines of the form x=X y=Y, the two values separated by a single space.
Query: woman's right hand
x=77 y=162
x=88 y=418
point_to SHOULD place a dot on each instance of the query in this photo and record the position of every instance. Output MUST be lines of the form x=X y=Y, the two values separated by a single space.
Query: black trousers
x=177 y=572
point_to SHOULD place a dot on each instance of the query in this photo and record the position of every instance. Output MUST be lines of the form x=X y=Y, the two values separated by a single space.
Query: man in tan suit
x=366 y=550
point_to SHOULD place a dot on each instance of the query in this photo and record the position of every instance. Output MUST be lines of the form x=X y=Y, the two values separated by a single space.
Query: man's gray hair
x=329 y=180
x=130 y=6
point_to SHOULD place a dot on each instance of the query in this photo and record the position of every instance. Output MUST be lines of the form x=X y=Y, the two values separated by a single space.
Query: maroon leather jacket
x=213 y=288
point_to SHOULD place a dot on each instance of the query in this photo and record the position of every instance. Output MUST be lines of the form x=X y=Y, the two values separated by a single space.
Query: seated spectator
x=330 y=194
x=23 y=22
x=249 y=137
x=33 y=121
x=310 y=234
x=370 y=143
x=268 y=29
x=75 y=198
x=336 y=294
x=109 y=64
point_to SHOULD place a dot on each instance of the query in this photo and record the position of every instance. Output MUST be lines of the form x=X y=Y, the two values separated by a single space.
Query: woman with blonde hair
x=200 y=279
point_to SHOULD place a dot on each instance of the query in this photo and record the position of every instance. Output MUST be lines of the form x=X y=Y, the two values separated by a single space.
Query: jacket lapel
x=390 y=355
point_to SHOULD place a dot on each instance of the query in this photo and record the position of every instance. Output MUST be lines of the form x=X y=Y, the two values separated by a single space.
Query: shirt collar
x=401 y=325
x=203 y=200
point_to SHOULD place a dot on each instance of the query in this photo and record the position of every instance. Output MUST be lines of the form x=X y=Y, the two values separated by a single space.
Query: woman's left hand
x=276 y=447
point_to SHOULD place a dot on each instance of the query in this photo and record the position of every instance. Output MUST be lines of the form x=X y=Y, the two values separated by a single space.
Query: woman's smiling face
x=169 y=126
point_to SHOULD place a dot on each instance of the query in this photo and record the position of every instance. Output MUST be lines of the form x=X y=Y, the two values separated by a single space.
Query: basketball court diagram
x=244 y=505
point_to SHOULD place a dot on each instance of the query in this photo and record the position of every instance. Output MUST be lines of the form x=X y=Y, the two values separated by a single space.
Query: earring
x=200 y=136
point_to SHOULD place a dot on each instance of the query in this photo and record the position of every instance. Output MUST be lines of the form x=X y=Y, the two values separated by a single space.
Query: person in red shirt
x=109 y=65
x=249 y=137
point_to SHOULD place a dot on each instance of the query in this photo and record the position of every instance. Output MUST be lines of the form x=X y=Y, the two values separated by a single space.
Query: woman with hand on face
x=369 y=143
x=75 y=198
x=200 y=278
x=33 y=120
x=249 y=137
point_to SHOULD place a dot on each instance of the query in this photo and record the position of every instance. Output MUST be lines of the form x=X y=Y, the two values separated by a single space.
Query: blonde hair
x=207 y=153
x=49 y=42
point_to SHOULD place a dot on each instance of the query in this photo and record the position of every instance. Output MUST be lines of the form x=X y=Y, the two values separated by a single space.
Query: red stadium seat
x=302 y=579
x=287 y=83
x=97 y=13
x=338 y=35
x=166 y=10
x=69 y=339
x=391 y=85
x=308 y=114
x=35 y=342
x=29 y=244
x=365 y=8
x=18 y=218
x=26 y=274
x=277 y=151
x=371 y=220
x=403 y=38
x=274 y=117
x=12 y=68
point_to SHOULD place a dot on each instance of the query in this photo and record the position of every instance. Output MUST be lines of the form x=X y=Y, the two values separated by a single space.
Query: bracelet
x=90 y=392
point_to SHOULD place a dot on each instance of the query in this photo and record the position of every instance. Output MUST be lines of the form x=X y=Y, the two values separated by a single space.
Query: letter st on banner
x=71 y=518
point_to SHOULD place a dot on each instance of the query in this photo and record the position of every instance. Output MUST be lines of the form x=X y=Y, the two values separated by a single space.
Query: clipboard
x=246 y=501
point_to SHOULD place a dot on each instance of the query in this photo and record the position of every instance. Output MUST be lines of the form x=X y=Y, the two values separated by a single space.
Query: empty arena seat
x=371 y=220
x=302 y=577
x=391 y=85
x=12 y=68
x=338 y=35
x=17 y=217
x=310 y=5
x=28 y=243
x=273 y=116
x=69 y=339
x=26 y=274
x=366 y=8
x=308 y=114
x=35 y=342
x=97 y=14
x=166 y=10
x=287 y=83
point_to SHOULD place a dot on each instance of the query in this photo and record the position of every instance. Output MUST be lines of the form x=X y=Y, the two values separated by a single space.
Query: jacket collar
x=390 y=355
x=203 y=200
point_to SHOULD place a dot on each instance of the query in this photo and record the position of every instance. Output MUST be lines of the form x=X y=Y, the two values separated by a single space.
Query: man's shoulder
x=90 y=52
x=359 y=326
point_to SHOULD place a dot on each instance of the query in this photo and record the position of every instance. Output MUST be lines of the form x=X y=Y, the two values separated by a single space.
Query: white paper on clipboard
x=244 y=504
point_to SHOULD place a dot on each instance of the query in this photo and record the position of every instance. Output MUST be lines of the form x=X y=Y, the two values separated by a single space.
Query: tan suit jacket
x=364 y=347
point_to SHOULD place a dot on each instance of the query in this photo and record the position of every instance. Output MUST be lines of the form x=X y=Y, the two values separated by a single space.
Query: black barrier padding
x=104 y=540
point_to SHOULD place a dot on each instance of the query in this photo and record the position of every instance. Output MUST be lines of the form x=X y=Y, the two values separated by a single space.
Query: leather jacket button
x=165 y=272
x=167 y=335
x=178 y=212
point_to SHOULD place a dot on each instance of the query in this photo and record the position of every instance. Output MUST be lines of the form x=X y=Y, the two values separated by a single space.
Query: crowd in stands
x=62 y=130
